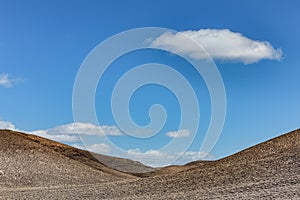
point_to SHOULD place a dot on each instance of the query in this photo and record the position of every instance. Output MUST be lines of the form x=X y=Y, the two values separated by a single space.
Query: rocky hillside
x=27 y=160
x=270 y=170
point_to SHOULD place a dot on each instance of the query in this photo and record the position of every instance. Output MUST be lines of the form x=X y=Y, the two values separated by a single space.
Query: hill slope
x=270 y=170
x=34 y=161
x=92 y=159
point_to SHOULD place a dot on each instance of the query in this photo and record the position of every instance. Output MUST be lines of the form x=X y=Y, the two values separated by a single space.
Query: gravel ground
x=270 y=170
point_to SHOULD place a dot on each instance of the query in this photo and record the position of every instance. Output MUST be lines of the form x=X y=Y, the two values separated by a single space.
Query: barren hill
x=270 y=170
x=92 y=159
x=34 y=161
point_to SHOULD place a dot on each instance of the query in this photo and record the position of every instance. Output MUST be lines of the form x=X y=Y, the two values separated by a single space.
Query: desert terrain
x=32 y=167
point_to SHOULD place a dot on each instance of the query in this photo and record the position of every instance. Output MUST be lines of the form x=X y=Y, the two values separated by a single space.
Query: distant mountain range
x=33 y=167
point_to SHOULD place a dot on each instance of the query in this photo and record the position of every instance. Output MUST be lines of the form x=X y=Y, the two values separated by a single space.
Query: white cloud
x=221 y=44
x=6 y=81
x=101 y=148
x=85 y=129
x=157 y=158
x=68 y=132
x=56 y=137
x=178 y=134
x=7 y=125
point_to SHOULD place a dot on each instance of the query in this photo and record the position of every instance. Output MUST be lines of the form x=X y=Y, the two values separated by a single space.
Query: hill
x=34 y=161
x=270 y=170
x=92 y=159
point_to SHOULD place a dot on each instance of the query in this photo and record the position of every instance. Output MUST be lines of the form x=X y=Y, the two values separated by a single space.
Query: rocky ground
x=270 y=170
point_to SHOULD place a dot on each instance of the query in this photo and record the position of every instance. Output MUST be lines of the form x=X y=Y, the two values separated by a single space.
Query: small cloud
x=221 y=44
x=6 y=81
x=85 y=129
x=156 y=158
x=178 y=134
x=68 y=132
x=101 y=148
x=41 y=133
x=7 y=125
x=59 y=137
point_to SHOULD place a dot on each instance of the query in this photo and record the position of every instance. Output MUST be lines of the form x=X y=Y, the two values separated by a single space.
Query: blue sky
x=43 y=44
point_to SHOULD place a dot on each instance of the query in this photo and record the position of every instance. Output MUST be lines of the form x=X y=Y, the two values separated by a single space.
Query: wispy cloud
x=68 y=132
x=101 y=148
x=7 y=125
x=85 y=129
x=6 y=81
x=56 y=137
x=221 y=44
x=178 y=134
x=156 y=158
